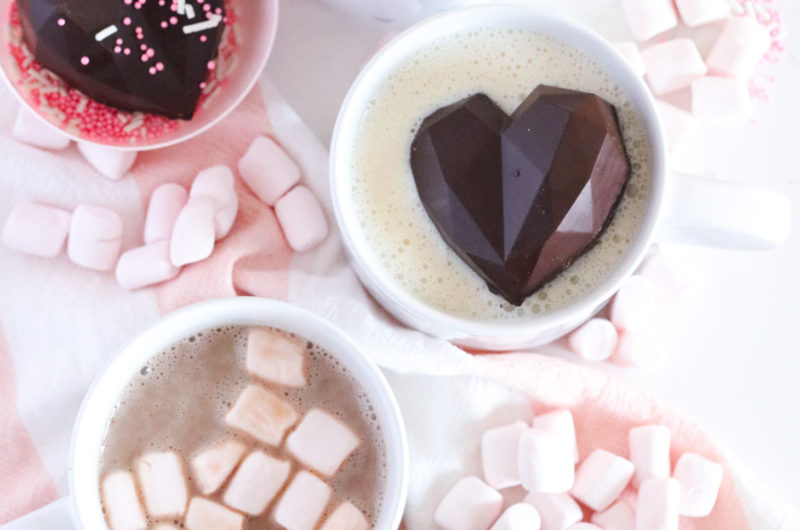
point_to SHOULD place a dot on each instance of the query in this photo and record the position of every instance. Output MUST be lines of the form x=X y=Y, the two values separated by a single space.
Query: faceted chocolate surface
x=137 y=55
x=519 y=198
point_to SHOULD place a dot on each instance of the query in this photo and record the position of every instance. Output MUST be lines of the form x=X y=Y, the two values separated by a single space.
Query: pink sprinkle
x=128 y=2
x=119 y=41
x=126 y=21
x=117 y=49
x=150 y=52
x=173 y=20
x=126 y=51
x=152 y=70
x=203 y=85
x=143 y=47
x=164 y=24
x=61 y=21
x=159 y=66
x=211 y=65
x=203 y=38
x=84 y=60
x=145 y=58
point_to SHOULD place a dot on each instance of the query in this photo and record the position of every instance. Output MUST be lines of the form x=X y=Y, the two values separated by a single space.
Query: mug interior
x=98 y=406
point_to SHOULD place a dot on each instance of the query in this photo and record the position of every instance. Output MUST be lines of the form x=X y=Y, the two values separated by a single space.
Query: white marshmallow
x=212 y=467
x=500 y=455
x=268 y=170
x=630 y=52
x=346 y=517
x=672 y=65
x=302 y=219
x=648 y=18
x=110 y=162
x=143 y=266
x=322 y=442
x=163 y=484
x=721 y=99
x=206 y=515
x=225 y=217
x=121 y=502
x=546 y=461
x=521 y=516
x=739 y=48
x=558 y=511
x=657 y=504
x=166 y=203
x=37 y=230
x=620 y=516
x=262 y=414
x=165 y=527
x=95 y=237
x=649 y=451
x=596 y=340
x=633 y=305
x=601 y=478
x=559 y=421
x=276 y=358
x=469 y=505
x=303 y=502
x=584 y=526
x=256 y=483
x=700 y=480
x=217 y=183
x=698 y=12
x=678 y=125
x=639 y=349
x=31 y=129
x=194 y=233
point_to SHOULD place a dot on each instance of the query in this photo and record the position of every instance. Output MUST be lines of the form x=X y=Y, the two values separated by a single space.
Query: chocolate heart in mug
x=135 y=55
x=519 y=198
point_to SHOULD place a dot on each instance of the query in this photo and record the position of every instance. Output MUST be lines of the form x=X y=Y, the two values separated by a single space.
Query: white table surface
x=734 y=354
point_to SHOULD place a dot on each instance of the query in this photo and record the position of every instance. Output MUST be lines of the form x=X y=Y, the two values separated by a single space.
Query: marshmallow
x=166 y=203
x=37 y=230
x=677 y=124
x=558 y=511
x=257 y=481
x=640 y=350
x=698 y=12
x=620 y=516
x=469 y=505
x=276 y=358
x=225 y=217
x=657 y=504
x=165 y=527
x=596 y=340
x=500 y=455
x=559 y=421
x=699 y=480
x=672 y=65
x=322 y=442
x=303 y=502
x=601 y=479
x=194 y=232
x=346 y=517
x=302 y=219
x=261 y=414
x=721 y=99
x=163 y=484
x=520 y=516
x=648 y=18
x=546 y=461
x=121 y=503
x=95 y=237
x=31 y=129
x=739 y=48
x=206 y=515
x=217 y=183
x=649 y=451
x=584 y=526
x=110 y=162
x=268 y=170
x=143 y=266
x=212 y=467
x=633 y=305
x=630 y=52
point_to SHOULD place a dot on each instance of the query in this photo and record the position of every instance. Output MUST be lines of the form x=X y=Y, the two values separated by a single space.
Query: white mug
x=82 y=509
x=680 y=207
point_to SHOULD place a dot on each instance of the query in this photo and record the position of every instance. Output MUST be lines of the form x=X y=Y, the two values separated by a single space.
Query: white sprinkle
x=212 y=22
x=189 y=11
x=181 y=7
x=107 y=32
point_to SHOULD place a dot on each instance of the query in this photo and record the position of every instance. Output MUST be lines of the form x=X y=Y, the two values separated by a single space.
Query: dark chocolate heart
x=519 y=198
x=135 y=55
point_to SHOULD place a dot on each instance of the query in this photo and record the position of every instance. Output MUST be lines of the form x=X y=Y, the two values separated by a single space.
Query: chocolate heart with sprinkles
x=134 y=55
x=519 y=197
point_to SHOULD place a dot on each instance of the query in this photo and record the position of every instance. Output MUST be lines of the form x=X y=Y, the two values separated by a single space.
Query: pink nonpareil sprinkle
x=84 y=60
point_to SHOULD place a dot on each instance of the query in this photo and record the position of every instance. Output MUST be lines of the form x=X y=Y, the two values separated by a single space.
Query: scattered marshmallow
x=700 y=480
x=95 y=237
x=630 y=52
x=166 y=203
x=346 y=517
x=122 y=507
x=678 y=125
x=276 y=358
x=559 y=421
x=546 y=461
x=302 y=219
x=303 y=502
x=721 y=99
x=207 y=515
x=620 y=516
x=217 y=183
x=31 y=129
x=256 y=483
x=739 y=48
x=500 y=455
x=649 y=451
x=194 y=232
x=601 y=479
x=521 y=516
x=596 y=340
x=144 y=266
x=639 y=349
x=262 y=414
x=212 y=467
x=557 y=510
x=470 y=505
x=268 y=170
x=699 y=12
x=633 y=305
x=110 y=162
x=322 y=442
x=163 y=484
x=672 y=65
x=648 y=18
x=657 y=504
x=37 y=230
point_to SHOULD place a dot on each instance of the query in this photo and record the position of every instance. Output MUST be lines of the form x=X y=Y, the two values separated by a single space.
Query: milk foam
x=506 y=65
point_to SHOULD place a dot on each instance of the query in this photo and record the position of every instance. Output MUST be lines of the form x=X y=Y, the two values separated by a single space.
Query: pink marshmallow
x=31 y=129
x=469 y=505
x=212 y=467
x=649 y=452
x=95 y=237
x=346 y=517
x=584 y=526
x=678 y=125
x=560 y=421
x=558 y=511
x=206 y=515
x=546 y=461
x=162 y=481
x=739 y=48
x=302 y=219
x=596 y=340
x=700 y=480
x=217 y=183
x=639 y=349
x=303 y=502
x=121 y=503
x=521 y=516
x=620 y=516
x=268 y=170
x=110 y=162
x=500 y=455
x=657 y=504
x=672 y=65
x=648 y=18
x=166 y=203
x=194 y=232
x=698 y=12
x=144 y=266
x=601 y=479
x=721 y=99
x=256 y=483
x=633 y=305
x=37 y=230
x=630 y=52
x=322 y=442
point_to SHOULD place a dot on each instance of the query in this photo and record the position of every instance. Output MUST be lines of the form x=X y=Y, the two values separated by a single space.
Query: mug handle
x=714 y=213
x=58 y=515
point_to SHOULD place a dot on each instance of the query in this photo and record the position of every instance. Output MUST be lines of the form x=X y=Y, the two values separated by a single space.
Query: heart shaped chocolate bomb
x=135 y=55
x=519 y=198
